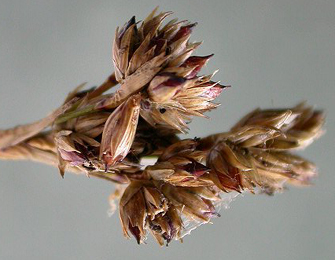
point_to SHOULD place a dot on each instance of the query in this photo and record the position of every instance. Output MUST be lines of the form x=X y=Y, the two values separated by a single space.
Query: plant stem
x=108 y=84
x=77 y=113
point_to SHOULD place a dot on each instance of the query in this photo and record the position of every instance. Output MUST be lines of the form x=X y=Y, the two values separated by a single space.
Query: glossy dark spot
x=162 y=110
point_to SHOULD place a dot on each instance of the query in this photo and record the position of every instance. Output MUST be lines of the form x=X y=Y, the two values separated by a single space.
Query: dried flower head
x=157 y=61
x=159 y=207
x=256 y=151
x=111 y=136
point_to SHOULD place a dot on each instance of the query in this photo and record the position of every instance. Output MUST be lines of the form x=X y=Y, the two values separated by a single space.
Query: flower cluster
x=109 y=135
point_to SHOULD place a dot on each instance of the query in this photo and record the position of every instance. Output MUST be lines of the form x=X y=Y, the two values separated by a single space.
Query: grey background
x=274 y=54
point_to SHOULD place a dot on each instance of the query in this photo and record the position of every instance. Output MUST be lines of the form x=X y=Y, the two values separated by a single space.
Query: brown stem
x=20 y=133
x=108 y=84
x=24 y=151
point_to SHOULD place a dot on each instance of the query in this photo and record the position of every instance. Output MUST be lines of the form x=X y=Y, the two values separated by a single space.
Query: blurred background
x=273 y=53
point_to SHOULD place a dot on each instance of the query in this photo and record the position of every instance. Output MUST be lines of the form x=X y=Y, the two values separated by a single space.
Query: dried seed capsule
x=119 y=131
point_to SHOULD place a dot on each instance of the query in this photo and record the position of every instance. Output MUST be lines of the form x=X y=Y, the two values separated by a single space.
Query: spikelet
x=255 y=153
x=158 y=207
x=157 y=61
x=119 y=131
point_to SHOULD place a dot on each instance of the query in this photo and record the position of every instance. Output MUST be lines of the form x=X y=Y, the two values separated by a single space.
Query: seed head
x=111 y=135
